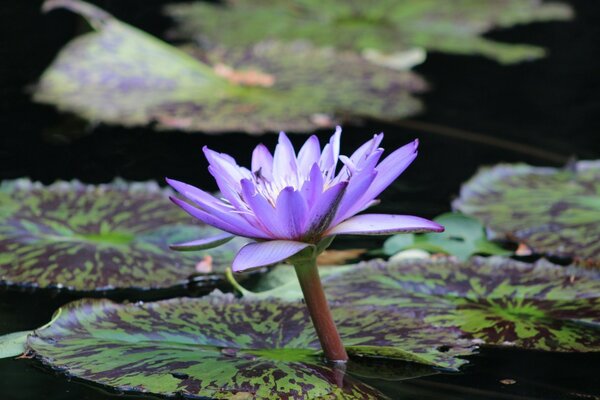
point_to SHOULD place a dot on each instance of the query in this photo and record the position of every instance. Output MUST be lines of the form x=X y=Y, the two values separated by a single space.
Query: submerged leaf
x=552 y=211
x=218 y=346
x=463 y=236
x=118 y=74
x=100 y=237
x=500 y=301
x=386 y=26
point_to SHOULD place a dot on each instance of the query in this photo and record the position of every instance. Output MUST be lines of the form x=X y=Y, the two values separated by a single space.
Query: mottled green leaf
x=552 y=211
x=463 y=237
x=386 y=26
x=118 y=74
x=217 y=346
x=101 y=237
x=497 y=300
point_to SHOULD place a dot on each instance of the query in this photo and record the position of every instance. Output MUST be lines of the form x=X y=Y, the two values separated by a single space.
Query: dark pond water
x=543 y=113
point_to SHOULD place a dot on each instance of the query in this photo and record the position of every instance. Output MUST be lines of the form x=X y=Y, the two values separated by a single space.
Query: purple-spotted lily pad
x=495 y=300
x=118 y=74
x=552 y=211
x=384 y=31
x=218 y=346
x=100 y=237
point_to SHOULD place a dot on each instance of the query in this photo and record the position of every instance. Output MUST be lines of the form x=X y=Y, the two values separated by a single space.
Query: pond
x=478 y=113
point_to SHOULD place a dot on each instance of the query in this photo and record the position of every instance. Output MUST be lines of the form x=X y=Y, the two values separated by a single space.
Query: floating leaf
x=118 y=74
x=463 y=237
x=13 y=344
x=387 y=26
x=217 y=346
x=100 y=237
x=500 y=301
x=552 y=211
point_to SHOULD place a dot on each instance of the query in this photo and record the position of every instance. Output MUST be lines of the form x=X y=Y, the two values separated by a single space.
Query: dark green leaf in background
x=553 y=211
x=121 y=75
x=387 y=27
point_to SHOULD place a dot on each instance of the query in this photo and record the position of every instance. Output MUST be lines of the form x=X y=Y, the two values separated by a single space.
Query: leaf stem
x=316 y=302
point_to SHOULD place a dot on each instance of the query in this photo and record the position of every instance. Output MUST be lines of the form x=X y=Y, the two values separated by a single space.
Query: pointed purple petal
x=263 y=210
x=262 y=161
x=309 y=153
x=390 y=168
x=222 y=221
x=290 y=211
x=312 y=188
x=204 y=243
x=384 y=224
x=198 y=196
x=256 y=255
x=321 y=213
x=350 y=203
x=330 y=154
x=225 y=168
x=364 y=151
x=285 y=168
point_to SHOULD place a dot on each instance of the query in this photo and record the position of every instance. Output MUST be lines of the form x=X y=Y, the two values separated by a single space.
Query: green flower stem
x=314 y=296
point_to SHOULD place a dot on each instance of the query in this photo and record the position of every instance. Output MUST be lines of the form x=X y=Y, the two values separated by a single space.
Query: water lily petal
x=323 y=211
x=329 y=156
x=291 y=210
x=222 y=221
x=263 y=210
x=350 y=203
x=254 y=255
x=313 y=187
x=285 y=168
x=262 y=161
x=225 y=167
x=309 y=154
x=390 y=168
x=204 y=243
x=198 y=196
x=364 y=151
x=384 y=224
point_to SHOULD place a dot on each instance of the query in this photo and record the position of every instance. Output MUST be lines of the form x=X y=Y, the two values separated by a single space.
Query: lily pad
x=101 y=237
x=552 y=211
x=120 y=75
x=218 y=346
x=463 y=237
x=387 y=27
x=13 y=344
x=496 y=300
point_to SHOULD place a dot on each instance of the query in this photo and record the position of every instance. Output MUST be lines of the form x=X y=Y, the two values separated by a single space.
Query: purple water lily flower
x=289 y=202
x=293 y=205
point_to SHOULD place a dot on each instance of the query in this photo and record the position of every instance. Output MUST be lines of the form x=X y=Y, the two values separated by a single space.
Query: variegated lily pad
x=552 y=211
x=118 y=74
x=100 y=237
x=385 y=31
x=218 y=346
x=496 y=300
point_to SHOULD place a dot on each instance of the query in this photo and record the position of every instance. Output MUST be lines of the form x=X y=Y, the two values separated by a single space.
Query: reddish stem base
x=316 y=302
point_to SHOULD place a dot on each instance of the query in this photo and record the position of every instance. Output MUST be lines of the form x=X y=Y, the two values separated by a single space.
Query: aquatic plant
x=294 y=205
